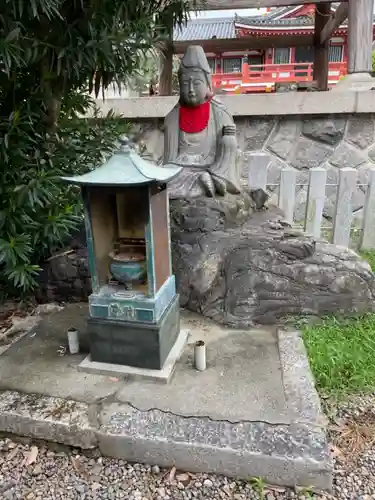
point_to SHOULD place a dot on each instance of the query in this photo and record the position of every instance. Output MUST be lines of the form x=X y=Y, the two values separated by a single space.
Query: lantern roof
x=125 y=168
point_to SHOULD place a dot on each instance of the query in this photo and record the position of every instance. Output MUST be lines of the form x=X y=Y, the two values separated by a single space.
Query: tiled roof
x=280 y=11
x=224 y=28
x=266 y=21
x=205 y=29
x=284 y=11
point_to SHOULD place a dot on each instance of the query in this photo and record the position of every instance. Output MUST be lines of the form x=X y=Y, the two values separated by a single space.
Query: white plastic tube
x=73 y=341
x=200 y=355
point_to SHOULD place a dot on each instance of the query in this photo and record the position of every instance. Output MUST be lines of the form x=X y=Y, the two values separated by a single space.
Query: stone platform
x=253 y=412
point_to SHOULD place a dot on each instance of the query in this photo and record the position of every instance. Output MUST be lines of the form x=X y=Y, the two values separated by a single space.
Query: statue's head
x=194 y=77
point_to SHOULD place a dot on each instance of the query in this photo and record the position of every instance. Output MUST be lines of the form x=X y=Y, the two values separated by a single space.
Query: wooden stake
x=320 y=74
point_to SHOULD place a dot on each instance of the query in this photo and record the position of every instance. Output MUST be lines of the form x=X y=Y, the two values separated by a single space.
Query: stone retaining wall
x=65 y=277
x=299 y=142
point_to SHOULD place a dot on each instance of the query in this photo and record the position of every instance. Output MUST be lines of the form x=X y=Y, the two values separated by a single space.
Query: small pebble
x=37 y=470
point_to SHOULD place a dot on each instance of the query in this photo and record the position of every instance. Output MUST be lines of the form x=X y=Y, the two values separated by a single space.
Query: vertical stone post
x=368 y=224
x=360 y=36
x=320 y=73
x=342 y=220
x=287 y=193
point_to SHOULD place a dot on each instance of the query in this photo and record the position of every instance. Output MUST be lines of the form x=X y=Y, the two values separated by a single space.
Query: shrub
x=50 y=51
x=37 y=211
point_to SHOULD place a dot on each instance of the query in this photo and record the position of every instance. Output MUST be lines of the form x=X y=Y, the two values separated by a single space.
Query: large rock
x=239 y=267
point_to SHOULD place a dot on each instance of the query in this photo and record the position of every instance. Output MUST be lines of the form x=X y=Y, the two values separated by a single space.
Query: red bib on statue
x=194 y=119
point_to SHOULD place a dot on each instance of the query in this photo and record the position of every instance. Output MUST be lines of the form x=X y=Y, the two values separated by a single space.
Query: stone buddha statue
x=200 y=135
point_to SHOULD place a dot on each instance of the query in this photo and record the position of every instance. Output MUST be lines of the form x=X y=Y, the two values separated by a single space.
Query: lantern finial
x=125 y=144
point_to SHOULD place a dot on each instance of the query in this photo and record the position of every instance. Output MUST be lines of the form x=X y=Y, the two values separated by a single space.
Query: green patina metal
x=150 y=251
x=90 y=241
x=144 y=315
x=130 y=325
x=125 y=168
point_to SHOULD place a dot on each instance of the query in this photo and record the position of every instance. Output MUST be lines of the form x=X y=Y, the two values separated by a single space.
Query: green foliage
x=341 y=353
x=37 y=212
x=67 y=44
x=373 y=61
x=369 y=255
x=305 y=492
x=259 y=486
x=51 y=53
x=148 y=73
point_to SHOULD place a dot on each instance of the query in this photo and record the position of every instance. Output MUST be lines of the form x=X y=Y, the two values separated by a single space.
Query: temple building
x=264 y=52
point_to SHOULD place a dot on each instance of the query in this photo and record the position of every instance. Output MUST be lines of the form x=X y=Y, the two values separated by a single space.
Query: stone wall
x=65 y=277
x=299 y=142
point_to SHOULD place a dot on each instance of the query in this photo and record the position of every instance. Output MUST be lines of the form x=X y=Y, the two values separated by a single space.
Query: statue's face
x=193 y=86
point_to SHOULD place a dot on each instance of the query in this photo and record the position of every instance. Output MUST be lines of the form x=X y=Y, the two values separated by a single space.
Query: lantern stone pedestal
x=139 y=344
x=134 y=317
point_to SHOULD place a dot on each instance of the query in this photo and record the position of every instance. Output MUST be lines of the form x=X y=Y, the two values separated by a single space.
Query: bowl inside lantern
x=128 y=267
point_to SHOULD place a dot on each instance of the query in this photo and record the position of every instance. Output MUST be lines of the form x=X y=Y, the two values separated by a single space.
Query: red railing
x=262 y=78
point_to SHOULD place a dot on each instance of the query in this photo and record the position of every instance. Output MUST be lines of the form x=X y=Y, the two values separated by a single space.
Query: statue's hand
x=228 y=139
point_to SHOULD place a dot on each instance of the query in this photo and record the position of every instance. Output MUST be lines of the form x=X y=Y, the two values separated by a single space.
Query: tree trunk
x=53 y=112
x=360 y=36
x=53 y=92
x=320 y=73
x=166 y=69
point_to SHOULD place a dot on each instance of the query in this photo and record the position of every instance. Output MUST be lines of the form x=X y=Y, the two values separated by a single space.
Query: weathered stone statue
x=200 y=135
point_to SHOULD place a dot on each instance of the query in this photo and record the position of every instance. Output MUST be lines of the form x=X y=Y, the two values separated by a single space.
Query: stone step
x=281 y=454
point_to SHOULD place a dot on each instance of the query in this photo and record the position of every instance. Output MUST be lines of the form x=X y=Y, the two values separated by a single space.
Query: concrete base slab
x=253 y=412
x=131 y=372
x=240 y=365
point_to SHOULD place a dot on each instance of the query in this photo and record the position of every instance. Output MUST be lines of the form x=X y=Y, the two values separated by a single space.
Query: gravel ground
x=37 y=471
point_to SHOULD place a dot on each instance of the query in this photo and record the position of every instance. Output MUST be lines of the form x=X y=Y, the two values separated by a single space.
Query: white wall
x=114 y=93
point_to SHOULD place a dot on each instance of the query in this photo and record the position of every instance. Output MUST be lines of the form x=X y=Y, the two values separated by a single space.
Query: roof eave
x=76 y=182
